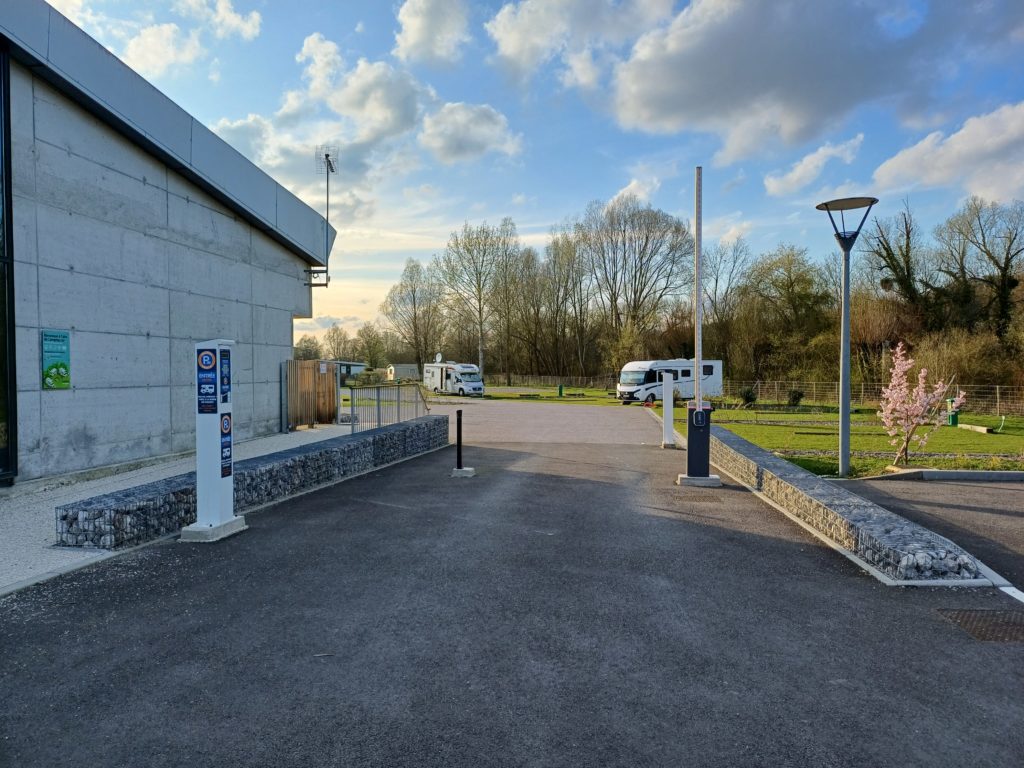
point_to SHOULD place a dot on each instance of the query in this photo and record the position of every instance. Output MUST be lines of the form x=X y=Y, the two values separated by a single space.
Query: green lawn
x=815 y=446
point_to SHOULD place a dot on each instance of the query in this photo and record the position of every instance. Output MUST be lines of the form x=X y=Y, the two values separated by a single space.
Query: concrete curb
x=974 y=475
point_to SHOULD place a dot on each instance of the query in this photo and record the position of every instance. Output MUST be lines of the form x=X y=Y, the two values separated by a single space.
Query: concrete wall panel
x=29 y=422
x=101 y=249
x=25 y=242
x=272 y=289
x=26 y=292
x=29 y=356
x=125 y=424
x=72 y=183
x=209 y=275
x=88 y=303
x=207 y=229
x=63 y=125
x=23 y=160
x=201 y=317
x=100 y=360
x=272 y=327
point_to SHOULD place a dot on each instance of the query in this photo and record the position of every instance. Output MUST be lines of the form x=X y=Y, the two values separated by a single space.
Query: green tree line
x=616 y=284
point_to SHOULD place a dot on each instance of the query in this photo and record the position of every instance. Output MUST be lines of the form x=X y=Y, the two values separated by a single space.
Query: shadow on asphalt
x=569 y=607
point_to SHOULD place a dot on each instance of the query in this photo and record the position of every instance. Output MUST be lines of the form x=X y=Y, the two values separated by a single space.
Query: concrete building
x=129 y=231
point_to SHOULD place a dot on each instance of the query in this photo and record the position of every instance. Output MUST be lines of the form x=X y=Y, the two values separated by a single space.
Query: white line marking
x=1013 y=592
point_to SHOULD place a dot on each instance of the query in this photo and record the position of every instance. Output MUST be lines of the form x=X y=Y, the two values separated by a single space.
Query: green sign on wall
x=56 y=359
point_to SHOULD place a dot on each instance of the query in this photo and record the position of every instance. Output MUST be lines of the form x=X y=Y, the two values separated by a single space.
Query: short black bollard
x=458 y=439
x=460 y=471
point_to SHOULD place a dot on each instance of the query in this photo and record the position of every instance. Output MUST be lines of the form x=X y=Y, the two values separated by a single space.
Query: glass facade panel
x=8 y=444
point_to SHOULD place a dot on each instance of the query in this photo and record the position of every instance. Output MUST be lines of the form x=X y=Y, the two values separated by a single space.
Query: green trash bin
x=952 y=416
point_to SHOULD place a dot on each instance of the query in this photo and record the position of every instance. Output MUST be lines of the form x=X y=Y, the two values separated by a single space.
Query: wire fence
x=380 y=406
x=993 y=399
x=603 y=381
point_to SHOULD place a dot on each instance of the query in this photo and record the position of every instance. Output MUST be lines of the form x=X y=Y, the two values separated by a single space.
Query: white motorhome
x=640 y=380
x=453 y=378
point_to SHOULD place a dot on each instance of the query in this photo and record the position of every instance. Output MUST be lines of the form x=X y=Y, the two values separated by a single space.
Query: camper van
x=453 y=378
x=640 y=380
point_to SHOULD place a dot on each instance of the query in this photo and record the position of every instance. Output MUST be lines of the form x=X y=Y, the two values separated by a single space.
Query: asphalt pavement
x=568 y=606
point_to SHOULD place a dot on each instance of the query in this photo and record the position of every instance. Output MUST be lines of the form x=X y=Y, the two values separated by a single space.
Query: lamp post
x=846 y=239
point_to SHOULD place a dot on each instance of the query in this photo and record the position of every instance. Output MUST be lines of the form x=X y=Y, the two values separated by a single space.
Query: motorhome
x=453 y=378
x=641 y=380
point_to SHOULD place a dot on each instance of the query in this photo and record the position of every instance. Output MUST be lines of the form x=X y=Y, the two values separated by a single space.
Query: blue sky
x=445 y=111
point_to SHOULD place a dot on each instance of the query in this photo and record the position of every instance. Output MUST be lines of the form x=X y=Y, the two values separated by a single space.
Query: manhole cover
x=994 y=626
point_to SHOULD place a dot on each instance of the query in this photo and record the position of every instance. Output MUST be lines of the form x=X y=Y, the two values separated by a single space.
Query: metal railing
x=381 y=405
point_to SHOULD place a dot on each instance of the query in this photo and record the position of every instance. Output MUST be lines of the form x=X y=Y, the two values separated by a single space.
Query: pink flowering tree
x=905 y=410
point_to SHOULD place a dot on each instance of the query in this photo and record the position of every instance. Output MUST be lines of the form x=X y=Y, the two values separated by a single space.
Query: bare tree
x=996 y=232
x=413 y=310
x=337 y=345
x=640 y=258
x=467 y=270
x=506 y=284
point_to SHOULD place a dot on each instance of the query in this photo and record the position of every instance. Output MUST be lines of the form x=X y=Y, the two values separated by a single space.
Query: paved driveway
x=569 y=606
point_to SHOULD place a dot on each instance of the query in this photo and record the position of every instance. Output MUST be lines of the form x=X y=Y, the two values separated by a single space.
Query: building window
x=8 y=391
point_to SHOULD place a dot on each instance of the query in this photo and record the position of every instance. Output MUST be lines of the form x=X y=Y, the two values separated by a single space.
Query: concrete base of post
x=669 y=445
x=711 y=481
x=464 y=472
x=206 y=534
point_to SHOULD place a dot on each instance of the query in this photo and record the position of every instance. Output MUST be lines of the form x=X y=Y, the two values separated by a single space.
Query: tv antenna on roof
x=326 y=159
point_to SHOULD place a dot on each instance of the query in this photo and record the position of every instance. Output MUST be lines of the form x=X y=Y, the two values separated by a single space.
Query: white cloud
x=75 y=10
x=808 y=168
x=759 y=73
x=529 y=33
x=727 y=228
x=985 y=157
x=382 y=100
x=642 y=189
x=432 y=30
x=157 y=48
x=581 y=71
x=222 y=17
x=323 y=64
x=460 y=131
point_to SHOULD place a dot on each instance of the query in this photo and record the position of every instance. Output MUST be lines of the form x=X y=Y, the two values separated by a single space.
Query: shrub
x=748 y=395
x=794 y=397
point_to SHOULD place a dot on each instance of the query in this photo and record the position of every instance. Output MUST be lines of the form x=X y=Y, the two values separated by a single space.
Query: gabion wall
x=146 y=512
x=900 y=549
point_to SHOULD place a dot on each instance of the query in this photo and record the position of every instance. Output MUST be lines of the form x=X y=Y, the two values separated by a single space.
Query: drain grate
x=993 y=626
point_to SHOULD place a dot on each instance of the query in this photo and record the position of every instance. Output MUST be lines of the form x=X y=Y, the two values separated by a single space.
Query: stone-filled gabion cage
x=136 y=515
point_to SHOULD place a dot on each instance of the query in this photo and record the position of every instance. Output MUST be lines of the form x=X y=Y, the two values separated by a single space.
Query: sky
x=448 y=111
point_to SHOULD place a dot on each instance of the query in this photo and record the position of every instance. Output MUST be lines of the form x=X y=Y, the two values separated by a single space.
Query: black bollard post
x=458 y=439
x=460 y=471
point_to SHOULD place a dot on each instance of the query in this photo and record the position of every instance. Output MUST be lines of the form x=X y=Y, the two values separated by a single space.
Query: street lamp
x=846 y=239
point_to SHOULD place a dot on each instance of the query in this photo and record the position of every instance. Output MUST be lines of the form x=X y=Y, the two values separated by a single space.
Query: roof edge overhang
x=55 y=50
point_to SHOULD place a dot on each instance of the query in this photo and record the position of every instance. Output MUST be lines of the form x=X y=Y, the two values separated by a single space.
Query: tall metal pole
x=697 y=303
x=844 y=371
x=327 y=217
